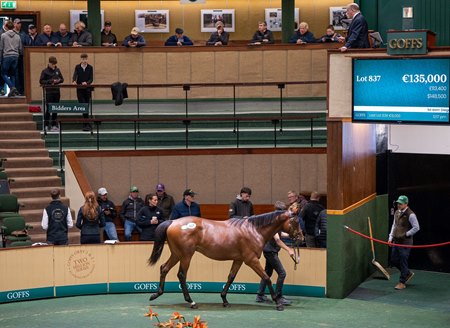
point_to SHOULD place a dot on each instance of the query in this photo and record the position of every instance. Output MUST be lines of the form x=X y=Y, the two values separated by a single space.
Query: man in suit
x=358 y=31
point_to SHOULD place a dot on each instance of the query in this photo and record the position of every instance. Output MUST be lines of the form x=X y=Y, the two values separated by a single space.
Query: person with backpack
x=310 y=213
x=56 y=220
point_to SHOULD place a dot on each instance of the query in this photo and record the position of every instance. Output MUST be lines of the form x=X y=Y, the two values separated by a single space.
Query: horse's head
x=293 y=229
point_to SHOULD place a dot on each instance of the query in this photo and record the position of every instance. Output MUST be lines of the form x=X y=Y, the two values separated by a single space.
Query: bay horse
x=238 y=240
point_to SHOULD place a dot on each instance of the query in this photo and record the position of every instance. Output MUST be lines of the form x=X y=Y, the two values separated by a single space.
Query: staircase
x=29 y=166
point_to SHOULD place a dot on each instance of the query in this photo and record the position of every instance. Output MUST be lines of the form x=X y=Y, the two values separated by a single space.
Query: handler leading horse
x=239 y=240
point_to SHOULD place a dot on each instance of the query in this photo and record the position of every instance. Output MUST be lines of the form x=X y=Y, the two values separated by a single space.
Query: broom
x=374 y=262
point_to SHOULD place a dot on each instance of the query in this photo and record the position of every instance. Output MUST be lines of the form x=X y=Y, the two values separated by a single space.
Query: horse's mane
x=258 y=221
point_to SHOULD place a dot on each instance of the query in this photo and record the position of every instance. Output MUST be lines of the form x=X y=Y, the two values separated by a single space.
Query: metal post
x=186 y=88
x=275 y=122
x=97 y=126
x=311 y=131
x=186 y=123
x=60 y=147
x=138 y=112
x=44 y=104
x=237 y=133
x=135 y=137
x=234 y=108
x=281 y=87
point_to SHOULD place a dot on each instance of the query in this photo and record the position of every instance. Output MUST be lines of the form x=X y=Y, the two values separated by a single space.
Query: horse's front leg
x=256 y=266
x=165 y=268
x=233 y=272
x=182 y=273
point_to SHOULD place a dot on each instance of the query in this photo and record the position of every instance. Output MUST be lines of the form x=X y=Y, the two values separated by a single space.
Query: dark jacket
x=182 y=209
x=166 y=204
x=84 y=38
x=308 y=37
x=108 y=38
x=42 y=39
x=215 y=37
x=358 y=33
x=64 y=40
x=107 y=205
x=119 y=92
x=259 y=37
x=90 y=227
x=51 y=76
x=57 y=222
x=145 y=216
x=321 y=228
x=139 y=39
x=130 y=208
x=172 y=41
x=240 y=209
x=81 y=75
x=309 y=213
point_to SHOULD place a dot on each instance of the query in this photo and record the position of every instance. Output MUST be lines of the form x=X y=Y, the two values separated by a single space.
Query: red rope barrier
x=393 y=244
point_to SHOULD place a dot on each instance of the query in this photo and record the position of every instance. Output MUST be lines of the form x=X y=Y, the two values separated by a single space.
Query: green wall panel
x=349 y=256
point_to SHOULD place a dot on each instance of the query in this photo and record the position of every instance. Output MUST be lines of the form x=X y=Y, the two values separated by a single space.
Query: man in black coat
x=358 y=31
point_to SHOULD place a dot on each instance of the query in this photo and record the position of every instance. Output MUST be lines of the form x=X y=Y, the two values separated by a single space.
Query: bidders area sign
x=78 y=108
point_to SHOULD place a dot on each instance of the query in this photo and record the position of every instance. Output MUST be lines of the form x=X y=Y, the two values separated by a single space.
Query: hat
x=160 y=187
x=135 y=31
x=108 y=23
x=219 y=23
x=134 y=189
x=189 y=192
x=102 y=191
x=17 y=21
x=31 y=26
x=402 y=200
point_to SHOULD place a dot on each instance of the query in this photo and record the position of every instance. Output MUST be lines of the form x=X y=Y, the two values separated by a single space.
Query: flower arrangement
x=176 y=321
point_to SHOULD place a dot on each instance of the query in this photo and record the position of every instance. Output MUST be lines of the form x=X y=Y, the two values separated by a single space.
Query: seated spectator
x=80 y=37
x=89 y=220
x=108 y=38
x=165 y=201
x=130 y=208
x=303 y=35
x=149 y=217
x=47 y=37
x=220 y=37
x=32 y=35
x=109 y=212
x=179 y=39
x=263 y=35
x=187 y=207
x=134 y=40
x=63 y=36
x=331 y=35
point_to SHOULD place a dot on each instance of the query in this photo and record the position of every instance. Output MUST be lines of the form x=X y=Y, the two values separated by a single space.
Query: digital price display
x=405 y=90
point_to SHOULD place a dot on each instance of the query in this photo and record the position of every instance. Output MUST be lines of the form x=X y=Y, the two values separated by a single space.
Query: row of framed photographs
x=157 y=21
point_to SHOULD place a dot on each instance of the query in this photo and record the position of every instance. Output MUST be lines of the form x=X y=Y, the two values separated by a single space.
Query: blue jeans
x=110 y=229
x=399 y=259
x=273 y=263
x=129 y=227
x=9 y=70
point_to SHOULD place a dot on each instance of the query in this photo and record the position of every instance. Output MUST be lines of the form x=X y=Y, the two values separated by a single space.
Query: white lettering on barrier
x=236 y=287
x=145 y=286
x=192 y=286
x=18 y=295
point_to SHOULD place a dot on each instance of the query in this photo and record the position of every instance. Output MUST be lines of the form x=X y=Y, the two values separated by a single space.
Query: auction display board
x=406 y=90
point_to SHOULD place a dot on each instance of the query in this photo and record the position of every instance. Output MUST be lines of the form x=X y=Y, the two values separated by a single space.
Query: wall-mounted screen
x=404 y=90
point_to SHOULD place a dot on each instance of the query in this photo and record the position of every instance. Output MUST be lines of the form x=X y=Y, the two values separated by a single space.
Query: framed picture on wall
x=26 y=17
x=81 y=15
x=339 y=19
x=152 y=21
x=273 y=19
x=209 y=18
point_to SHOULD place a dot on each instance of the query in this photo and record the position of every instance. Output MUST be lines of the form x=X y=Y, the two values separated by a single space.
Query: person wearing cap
x=10 y=49
x=20 y=78
x=47 y=38
x=56 y=220
x=178 y=39
x=51 y=76
x=80 y=37
x=165 y=201
x=63 y=36
x=84 y=75
x=32 y=35
x=187 y=207
x=134 y=40
x=108 y=38
x=220 y=37
x=109 y=212
x=241 y=207
x=128 y=213
x=404 y=227
x=149 y=217
x=263 y=35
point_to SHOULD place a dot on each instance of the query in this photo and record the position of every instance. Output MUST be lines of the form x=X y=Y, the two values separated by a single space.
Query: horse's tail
x=158 y=245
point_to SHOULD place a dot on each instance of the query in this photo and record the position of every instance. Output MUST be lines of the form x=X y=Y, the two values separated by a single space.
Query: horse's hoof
x=153 y=296
x=280 y=307
x=226 y=305
x=194 y=305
